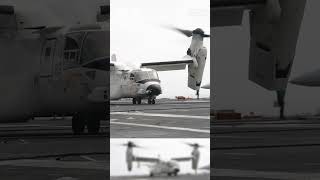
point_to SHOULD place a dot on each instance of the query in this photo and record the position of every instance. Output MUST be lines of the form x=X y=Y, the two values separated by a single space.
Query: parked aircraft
x=143 y=81
x=54 y=56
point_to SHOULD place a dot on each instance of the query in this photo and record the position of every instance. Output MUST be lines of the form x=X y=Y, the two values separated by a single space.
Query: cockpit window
x=92 y=45
x=143 y=75
x=131 y=76
x=95 y=46
x=72 y=49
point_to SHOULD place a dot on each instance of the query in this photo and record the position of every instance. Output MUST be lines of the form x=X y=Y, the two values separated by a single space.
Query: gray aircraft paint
x=21 y=55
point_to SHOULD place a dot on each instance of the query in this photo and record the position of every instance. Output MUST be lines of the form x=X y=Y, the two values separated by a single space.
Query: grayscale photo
x=265 y=110
x=159 y=158
x=54 y=89
x=160 y=69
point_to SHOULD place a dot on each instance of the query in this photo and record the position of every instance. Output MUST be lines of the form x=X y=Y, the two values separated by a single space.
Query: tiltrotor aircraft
x=274 y=30
x=158 y=166
x=143 y=82
x=54 y=56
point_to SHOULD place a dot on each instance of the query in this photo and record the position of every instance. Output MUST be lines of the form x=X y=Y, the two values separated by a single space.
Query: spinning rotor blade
x=187 y=33
x=131 y=144
x=194 y=145
x=190 y=33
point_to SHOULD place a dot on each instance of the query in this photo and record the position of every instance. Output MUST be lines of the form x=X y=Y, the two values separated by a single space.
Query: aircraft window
x=72 y=49
x=95 y=46
x=131 y=76
x=143 y=75
x=72 y=55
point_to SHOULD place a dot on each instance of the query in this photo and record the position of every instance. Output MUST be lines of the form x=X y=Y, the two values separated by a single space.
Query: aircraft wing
x=181 y=159
x=230 y=12
x=146 y=159
x=168 y=65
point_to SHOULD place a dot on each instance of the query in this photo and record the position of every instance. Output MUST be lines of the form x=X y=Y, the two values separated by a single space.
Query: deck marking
x=163 y=127
x=160 y=115
x=263 y=174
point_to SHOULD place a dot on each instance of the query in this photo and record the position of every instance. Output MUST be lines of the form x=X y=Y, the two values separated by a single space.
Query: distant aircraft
x=158 y=166
x=143 y=81
x=54 y=60
x=308 y=79
x=274 y=30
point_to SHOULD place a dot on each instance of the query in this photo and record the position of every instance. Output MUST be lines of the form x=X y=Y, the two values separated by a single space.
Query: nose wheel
x=89 y=120
x=136 y=100
x=151 y=100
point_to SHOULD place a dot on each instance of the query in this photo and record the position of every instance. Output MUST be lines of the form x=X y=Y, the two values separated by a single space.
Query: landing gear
x=78 y=124
x=91 y=120
x=197 y=94
x=280 y=97
x=136 y=100
x=151 y=100
x=93 y=124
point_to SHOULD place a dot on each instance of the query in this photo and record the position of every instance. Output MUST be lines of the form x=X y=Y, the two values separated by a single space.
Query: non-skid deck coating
x=266 y=149
x=166 y=119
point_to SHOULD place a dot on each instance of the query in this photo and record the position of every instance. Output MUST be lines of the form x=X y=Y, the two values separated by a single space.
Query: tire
x=93 y=124
x=78 y=124
x=139 y=100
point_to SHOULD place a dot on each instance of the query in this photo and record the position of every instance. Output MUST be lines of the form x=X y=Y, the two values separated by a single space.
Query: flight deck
x=45 y=148
x=266 y=149
x=165 y=119
x=180 y=177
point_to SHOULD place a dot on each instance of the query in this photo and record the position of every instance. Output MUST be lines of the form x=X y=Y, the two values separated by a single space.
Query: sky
x=231 y=86
x=138 y=34
x=167 y=148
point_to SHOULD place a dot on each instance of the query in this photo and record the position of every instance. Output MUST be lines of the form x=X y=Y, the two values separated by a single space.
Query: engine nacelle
x=129 y=158
x=195 y=70
x=8 y=21
x=274 y=33
x=195 y=159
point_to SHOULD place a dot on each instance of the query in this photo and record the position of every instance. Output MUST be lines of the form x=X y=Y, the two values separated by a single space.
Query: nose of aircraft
x=154 y=89
x=307 y=79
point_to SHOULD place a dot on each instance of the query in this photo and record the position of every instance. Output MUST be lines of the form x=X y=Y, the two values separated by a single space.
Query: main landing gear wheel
x=78 y=124
x=93 y=124
x=151 y=101
x=136 y=100
x=81 y=120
